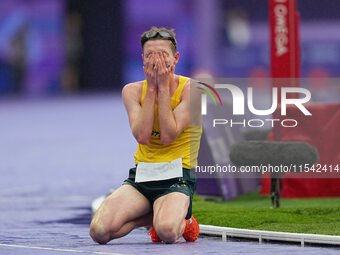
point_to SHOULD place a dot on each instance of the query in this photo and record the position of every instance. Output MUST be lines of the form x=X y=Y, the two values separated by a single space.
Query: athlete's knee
x=99 y=233
x=167 y=231
x=102 y=233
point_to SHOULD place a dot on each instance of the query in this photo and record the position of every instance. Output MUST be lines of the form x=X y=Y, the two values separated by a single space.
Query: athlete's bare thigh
x=123 y=205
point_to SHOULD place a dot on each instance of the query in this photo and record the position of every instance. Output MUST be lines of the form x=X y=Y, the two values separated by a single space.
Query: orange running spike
x=154 y=237
x=192 y=230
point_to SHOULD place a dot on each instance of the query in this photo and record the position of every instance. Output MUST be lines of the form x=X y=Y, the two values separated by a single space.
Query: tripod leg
x=273 y=182
x=277 y=193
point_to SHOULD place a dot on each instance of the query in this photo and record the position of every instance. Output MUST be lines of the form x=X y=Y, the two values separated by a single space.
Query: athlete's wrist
x=163 y=89
x=151 y=89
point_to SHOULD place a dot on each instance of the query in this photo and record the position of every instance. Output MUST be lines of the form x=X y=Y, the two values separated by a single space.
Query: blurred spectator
x=73 y=50
x=18 y=56
x=237 y=27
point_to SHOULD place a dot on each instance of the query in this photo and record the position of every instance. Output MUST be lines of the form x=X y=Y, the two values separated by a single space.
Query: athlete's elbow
x=141 y=136
x=143 y=139
x=167 y=139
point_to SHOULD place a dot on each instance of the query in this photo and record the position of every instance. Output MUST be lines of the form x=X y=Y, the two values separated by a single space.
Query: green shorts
x=155 y=189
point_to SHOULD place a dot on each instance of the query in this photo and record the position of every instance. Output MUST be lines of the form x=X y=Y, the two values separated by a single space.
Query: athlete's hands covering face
x=165 y=70
x=150 y=69
x=157 y=69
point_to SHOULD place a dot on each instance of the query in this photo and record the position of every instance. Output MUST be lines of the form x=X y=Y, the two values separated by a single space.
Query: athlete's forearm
x=142 y=126
x=166 y=119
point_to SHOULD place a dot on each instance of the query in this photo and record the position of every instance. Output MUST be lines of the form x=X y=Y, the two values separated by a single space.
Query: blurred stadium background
x=52 y=47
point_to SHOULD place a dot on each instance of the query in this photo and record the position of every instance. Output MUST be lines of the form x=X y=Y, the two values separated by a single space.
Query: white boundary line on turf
x=56 y=249
x=261 y=235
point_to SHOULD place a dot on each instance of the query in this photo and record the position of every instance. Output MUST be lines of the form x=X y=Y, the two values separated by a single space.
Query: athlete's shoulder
x=134 y=85
x=133 y=89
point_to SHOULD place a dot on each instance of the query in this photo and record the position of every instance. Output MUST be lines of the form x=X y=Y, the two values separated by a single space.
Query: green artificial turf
x=252 y=211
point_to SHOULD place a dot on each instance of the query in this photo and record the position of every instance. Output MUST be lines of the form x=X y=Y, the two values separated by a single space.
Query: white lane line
x=56 y=249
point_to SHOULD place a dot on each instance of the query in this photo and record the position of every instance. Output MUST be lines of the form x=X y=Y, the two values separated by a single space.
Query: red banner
x=285 y=48
x=285 y=60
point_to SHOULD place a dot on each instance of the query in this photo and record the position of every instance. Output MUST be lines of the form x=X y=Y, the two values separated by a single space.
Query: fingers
x=150 y=64
x=157 y=68
x=158 y=63
x=150 y=70
x=164 y=63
